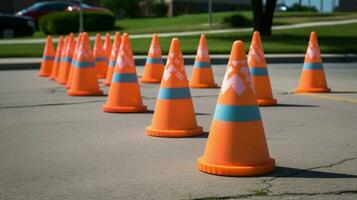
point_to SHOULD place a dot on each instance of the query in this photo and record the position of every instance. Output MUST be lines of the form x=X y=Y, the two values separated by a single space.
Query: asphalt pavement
x=53 y=146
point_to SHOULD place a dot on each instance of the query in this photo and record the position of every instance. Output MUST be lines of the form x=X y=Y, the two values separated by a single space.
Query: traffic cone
x=154 y=66
x=202 y=74
x=107 y=46
x=124 y=92
x=79 y=40
x=58 y=56
x=101 y=60
x=259 y=72
x=84 y=80
x=174 y=114
x=66 y=61
x=236 y=144
x=113 y=59
x=47 y=58
x=312 y=77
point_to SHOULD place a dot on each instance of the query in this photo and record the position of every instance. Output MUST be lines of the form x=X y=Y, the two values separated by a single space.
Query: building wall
x=348 y=5
x=179 y=7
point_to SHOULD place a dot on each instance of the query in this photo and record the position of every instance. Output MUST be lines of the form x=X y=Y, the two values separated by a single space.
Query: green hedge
x=237 y=20
x=67 y=22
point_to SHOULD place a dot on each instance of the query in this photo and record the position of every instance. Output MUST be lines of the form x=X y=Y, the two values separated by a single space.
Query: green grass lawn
x=199 y=21
x=332 y=39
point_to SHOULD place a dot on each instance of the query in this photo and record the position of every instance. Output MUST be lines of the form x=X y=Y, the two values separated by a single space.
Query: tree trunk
x=263 y=17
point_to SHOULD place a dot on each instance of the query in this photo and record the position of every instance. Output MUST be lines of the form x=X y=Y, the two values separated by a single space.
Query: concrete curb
x=217 y=59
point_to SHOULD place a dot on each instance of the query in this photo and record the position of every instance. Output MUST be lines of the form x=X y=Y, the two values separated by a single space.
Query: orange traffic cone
x=58 y=56
x=47 y=59
x=312 y=76
x=84 y=80
x=236 y=144
x=113 y=59
x=202 y=74
x=101 y=60
x=107 y=46
x=124 y=92
x=174 y=114
x=154 y=66
x=79 y=40
x=258 y=70
x=66 y=61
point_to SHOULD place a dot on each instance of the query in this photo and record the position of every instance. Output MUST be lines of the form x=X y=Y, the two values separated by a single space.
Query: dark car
x=13 y=26
x=37 y=10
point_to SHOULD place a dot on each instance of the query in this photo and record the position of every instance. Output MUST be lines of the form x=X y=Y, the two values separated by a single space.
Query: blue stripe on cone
x=202 y=65
x=48 y=57
x=57 y=59
x=236 y=113
x=100 y=59
x=81 y=64
x=124 y=78
x=258 y=71
x=154 y=61
x=310 y=66
x=67 y=59
x=174 y=93
x=112 y=63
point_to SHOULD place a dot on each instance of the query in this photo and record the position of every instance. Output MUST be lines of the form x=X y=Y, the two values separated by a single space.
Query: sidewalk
x=34 y=63
x=175 y=34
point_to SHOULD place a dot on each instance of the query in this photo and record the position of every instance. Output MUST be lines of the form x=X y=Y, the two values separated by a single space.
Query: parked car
x=13 y=26
x=37 y=10
x=281 y=7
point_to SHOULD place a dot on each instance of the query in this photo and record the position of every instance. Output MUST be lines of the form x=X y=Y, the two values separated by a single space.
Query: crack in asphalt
x=269 y=184
x=81 y=102
x=50 y=104
x=266 y=190
x=245 y=196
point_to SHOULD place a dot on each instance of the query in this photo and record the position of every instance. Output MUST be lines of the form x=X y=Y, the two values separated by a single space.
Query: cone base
x=312 y=90
x=174 y=133
x=43 y=75
x=235 y=170
x=149 y=80
x=118 y=109
x=101 y=76
x=85 y=93
x=267 y=102
x=198 y=85
x=52 y=78
x=62 y=83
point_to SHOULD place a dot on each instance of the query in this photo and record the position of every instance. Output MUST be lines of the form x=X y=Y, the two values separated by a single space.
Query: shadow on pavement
x=203 y=135
x=343 y=92
x=293 y=105
x=287 y=172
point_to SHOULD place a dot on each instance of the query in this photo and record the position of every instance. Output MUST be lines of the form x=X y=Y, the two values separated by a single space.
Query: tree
x=263 y=16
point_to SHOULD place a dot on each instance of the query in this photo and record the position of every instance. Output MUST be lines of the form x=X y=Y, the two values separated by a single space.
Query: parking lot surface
x=53 y=146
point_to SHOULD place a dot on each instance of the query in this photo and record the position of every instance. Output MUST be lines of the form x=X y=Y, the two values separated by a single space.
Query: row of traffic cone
x=236 y=145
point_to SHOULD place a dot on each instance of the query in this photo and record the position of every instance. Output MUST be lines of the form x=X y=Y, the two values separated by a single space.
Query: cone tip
x=238 y=43
x=313 y=36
